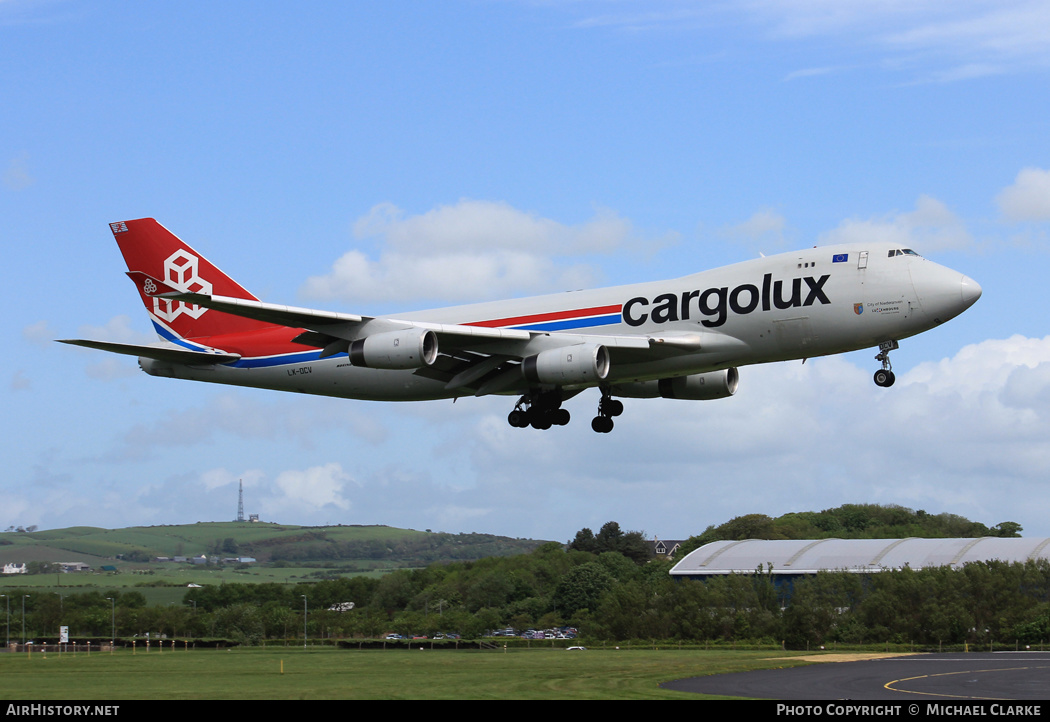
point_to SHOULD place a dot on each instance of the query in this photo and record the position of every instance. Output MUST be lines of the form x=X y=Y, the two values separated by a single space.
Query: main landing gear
x=543 y=410
x=884 y=377
x=540 y=411
x=607 y=408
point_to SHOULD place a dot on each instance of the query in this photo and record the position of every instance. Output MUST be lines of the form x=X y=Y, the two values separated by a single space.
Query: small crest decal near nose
x=858 y=308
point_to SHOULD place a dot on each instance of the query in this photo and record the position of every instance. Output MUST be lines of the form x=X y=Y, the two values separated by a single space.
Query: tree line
x=605 y=595
x=851 y=521
x=609 y=587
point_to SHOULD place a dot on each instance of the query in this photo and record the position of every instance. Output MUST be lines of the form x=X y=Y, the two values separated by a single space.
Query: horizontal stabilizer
x=165 y=352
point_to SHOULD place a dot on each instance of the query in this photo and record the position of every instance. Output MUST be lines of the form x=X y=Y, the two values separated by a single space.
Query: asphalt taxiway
x=973 y=676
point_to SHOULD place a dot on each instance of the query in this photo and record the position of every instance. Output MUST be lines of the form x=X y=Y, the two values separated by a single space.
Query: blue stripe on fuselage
x=572 y=323
x=259 y=362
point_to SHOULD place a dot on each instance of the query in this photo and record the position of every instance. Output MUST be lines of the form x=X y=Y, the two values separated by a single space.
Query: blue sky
x=382 y=157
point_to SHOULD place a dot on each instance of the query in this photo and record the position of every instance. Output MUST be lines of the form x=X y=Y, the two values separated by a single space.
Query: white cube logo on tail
x=180 y=271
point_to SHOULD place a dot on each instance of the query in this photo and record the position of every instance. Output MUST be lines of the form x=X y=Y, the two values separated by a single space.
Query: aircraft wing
x=482 y=358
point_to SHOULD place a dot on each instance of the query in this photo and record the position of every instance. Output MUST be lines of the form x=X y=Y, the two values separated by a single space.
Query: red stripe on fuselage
x=541 y=317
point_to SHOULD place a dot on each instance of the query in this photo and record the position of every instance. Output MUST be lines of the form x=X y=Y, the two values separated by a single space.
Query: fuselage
x=804 y=304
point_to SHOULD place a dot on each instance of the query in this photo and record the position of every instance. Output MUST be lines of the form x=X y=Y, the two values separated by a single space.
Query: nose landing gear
x=884 y=377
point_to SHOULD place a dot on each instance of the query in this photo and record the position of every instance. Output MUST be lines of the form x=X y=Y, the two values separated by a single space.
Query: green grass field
x=250 y=674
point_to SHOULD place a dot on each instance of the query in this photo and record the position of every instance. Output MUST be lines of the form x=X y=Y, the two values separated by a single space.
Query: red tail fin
x=152 y=249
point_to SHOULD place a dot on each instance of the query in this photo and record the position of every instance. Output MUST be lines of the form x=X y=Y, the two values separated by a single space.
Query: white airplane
x=680 y=339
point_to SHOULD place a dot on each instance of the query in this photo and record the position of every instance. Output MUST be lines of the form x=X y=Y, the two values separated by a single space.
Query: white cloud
x=1012 y=28
x=763 y=232
x=309 y=490
x=454 y=516
x=965 y=435
x=939 y=41
x=39 y=333
x=1028 y=199
x=218 y=478
x=118 y=330
x=930 y=227
x=111 y=367
x=472 y=250
x=17 y=177
x=241 y=415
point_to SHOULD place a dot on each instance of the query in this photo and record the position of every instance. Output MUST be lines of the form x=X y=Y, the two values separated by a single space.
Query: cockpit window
x=910 y=252
x=901 y=252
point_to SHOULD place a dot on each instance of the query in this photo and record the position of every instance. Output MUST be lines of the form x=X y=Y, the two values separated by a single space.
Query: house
x=666 y=547
x=15 y=568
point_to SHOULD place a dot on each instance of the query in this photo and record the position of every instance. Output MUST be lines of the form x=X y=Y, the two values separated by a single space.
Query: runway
x=974 y=676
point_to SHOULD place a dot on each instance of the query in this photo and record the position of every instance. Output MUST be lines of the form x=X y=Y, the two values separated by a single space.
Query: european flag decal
x=840 y=258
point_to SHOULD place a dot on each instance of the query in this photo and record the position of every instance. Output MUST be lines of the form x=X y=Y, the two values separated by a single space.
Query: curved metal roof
x=808 y=556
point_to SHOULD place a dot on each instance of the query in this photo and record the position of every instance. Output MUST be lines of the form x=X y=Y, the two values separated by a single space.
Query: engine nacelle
x=695 y=387
x=409 y=349
x=581 y=364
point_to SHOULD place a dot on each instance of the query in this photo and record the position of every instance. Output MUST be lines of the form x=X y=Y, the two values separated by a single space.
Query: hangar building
x=803 y=557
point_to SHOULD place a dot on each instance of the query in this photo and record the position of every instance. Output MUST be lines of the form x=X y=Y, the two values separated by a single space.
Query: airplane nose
x=943 y=293
x=969 y=291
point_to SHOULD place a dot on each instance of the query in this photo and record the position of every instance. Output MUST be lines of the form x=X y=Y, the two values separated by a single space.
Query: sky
x=384 y=157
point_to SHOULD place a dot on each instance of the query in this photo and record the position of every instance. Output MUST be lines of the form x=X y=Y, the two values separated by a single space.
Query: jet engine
x=580 y=364
x=695 y=387
x=409 y=349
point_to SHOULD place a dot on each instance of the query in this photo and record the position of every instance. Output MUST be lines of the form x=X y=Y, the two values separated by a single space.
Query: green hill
x=265 y=542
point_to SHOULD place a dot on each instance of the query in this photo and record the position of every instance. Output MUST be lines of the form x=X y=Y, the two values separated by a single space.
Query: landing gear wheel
x=607 y=408
x=538 y=410
x=884 y=378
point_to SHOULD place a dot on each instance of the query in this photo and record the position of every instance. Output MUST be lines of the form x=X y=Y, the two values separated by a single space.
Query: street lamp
x=113 y=623
x=304 y=619
x=8 y=643
x=24 y=619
